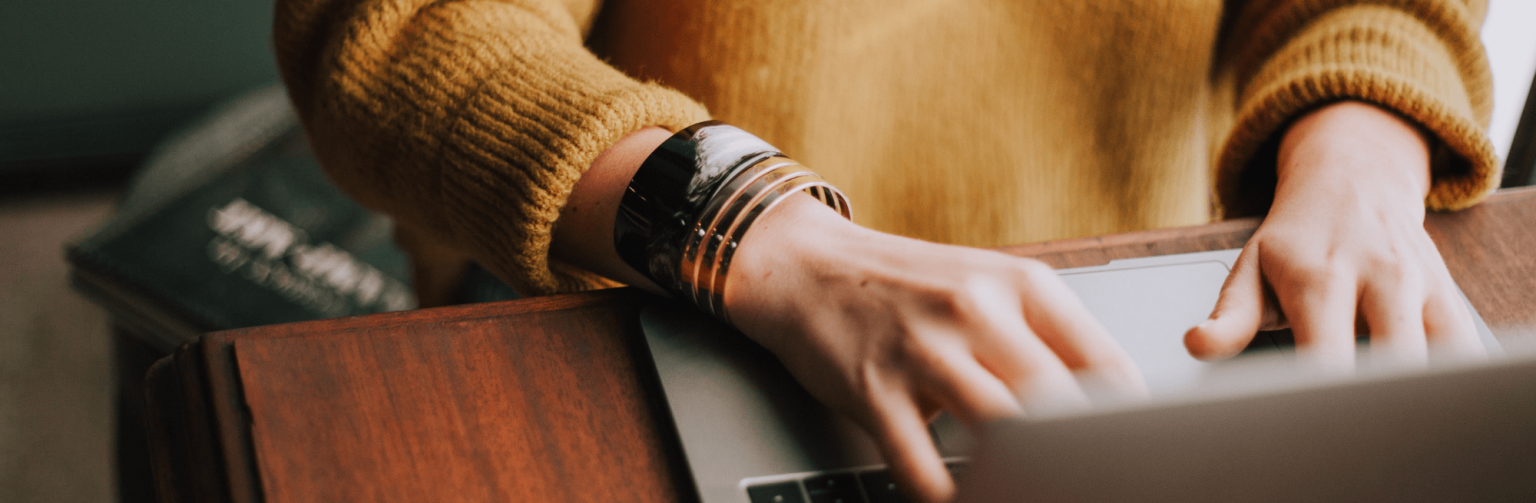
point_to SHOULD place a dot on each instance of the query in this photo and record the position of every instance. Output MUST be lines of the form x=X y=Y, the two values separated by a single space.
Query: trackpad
x=1148 y=309
x=1148 y=304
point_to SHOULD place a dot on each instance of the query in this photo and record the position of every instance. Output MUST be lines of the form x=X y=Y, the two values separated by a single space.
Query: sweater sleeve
x=1419 y=58
x=468 y=120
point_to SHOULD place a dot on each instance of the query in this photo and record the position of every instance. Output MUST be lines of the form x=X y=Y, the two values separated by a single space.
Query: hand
x=1343 y=250
x=889 y=330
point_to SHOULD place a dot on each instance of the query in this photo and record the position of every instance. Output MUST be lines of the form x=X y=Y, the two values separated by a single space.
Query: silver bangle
x=704 y=240
x=776 y=193
x=685 y=212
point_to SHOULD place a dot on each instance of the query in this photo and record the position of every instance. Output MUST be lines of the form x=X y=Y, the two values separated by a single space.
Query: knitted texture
x=470 y=120
x=979 y=123
x=1419 y=58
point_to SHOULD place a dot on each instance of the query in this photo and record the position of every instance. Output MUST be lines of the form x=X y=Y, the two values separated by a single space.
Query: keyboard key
x=778 y=492
x=1262 y=341
x=1284 y=338
x=839 y=488
x=881 y=488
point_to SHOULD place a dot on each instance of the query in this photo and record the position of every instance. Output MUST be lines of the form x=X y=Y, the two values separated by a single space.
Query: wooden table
x=552 y=399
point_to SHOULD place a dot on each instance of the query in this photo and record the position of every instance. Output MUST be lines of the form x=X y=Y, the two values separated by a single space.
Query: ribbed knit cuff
x=519 y=147
x=472 y=121
x=1426 y=66
x=506 y=206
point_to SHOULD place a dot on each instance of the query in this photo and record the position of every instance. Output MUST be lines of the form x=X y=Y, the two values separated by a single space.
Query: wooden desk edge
x=203 y=373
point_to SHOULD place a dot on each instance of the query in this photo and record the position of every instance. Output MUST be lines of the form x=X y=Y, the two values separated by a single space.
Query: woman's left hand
x=1343 y=250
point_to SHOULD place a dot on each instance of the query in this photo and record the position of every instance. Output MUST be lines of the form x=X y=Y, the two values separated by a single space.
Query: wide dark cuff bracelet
x=692 y=201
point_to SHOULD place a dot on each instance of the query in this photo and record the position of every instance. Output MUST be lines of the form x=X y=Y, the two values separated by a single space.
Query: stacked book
x=232 y=223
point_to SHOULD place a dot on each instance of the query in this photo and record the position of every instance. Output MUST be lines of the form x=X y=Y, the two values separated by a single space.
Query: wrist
x=692 y=202
x=1353 y=150
x=790 y=249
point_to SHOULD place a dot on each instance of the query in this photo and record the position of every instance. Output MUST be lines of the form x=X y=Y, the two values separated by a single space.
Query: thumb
x=1238 y=315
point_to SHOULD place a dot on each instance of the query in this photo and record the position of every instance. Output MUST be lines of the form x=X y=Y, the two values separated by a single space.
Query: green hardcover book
x=232 y=223
x=270 y=241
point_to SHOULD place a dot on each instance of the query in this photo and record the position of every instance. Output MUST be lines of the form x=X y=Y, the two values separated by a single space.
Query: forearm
x=1422 y=60
x=1353 y=149
x=469 y=120
x=583 y=234
x=1343 y=249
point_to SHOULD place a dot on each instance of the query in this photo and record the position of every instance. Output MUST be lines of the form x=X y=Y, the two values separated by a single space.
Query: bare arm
x=887 y=330
x=1343 y=247
x=584 y=232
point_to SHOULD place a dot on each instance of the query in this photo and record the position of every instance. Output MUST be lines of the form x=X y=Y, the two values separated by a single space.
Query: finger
x=1238 y=314
x=1039 y=380
x=1394 y=316
x=902 y=435
x=1448 y=325
x=1055 y=317
x=963 y=387
x=1322 y=316
x=1007 y=348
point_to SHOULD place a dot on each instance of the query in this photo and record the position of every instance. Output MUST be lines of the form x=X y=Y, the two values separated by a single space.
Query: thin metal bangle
x=686 y=209
x=734 y=237
x=767 y=201
x=707 y=258
x=718 y=207
x=666 y=195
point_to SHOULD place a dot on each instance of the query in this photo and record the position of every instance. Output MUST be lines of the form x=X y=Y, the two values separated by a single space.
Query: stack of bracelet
x=693 y=200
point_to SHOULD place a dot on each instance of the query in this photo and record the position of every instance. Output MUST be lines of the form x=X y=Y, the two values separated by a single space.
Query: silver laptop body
x=1453 y=433
x=747 y=427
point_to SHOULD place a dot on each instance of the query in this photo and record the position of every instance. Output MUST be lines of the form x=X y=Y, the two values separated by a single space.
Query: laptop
x=751 y=434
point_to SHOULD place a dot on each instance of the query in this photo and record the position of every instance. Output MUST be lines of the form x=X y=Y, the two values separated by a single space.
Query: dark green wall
x=98 y=77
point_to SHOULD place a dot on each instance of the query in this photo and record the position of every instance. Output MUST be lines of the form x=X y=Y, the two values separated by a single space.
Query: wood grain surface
x=483 y=404
x=1491 y=251
x=548 y=399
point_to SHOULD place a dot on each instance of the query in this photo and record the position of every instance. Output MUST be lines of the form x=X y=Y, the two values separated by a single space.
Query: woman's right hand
x=885 y=329
x=889 y=330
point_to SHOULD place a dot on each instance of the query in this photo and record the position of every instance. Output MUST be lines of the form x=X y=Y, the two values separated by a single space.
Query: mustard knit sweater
x=975 y=122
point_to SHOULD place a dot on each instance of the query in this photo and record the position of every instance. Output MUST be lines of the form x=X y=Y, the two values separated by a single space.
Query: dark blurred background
x=87 y=88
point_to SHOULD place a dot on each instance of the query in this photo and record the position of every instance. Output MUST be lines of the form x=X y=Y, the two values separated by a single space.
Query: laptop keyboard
x=867 y=486
x=877 y=486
